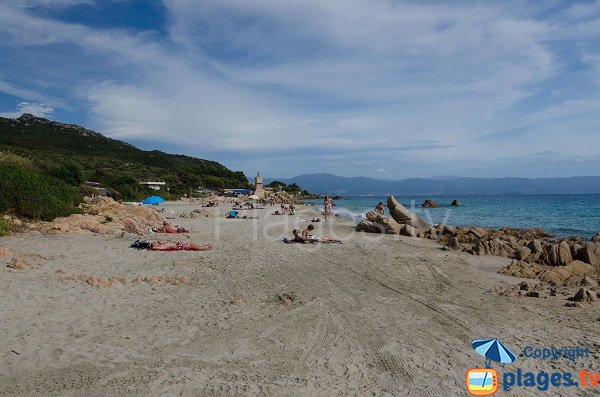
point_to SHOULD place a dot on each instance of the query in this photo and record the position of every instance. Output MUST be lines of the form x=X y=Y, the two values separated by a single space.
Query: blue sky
x=387 y=89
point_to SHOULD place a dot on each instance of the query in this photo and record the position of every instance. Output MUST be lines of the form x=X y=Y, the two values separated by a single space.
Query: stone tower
x=258 y=186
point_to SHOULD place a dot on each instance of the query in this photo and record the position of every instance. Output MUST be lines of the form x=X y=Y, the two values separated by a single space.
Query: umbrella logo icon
x=484 y=381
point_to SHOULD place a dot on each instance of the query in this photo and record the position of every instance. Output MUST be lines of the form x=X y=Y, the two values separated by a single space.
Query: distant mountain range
x=443 y=185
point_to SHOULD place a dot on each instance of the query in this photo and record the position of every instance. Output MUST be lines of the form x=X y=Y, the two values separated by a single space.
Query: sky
x=380 y=88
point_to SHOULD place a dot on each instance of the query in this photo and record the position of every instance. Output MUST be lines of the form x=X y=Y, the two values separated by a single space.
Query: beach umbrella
x=493 y=350
x=153 y=200
x=253 y=197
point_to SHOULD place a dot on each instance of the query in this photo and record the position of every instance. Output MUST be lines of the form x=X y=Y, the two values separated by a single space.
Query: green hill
x=64 y=151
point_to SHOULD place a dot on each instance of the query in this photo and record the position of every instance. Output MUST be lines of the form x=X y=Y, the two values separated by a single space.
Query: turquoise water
x=562 y=215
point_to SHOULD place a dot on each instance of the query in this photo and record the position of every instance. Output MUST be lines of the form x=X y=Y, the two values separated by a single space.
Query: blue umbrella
x=493 y=349
x=153 y=200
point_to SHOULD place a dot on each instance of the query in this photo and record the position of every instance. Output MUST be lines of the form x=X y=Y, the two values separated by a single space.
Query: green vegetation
x=4 y=227
x=72 y=154
x=292 y=188
x=31 y=194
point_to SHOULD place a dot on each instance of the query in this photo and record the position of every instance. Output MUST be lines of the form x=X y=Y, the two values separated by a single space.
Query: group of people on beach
x=298 y=237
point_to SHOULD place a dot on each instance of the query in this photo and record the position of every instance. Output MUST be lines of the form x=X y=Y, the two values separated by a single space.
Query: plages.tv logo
x=484 y=381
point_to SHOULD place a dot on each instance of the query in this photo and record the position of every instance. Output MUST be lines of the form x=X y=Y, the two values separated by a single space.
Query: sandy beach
x=379 y=315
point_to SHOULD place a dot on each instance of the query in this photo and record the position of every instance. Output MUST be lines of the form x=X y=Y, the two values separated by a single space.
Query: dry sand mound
x=103 y=215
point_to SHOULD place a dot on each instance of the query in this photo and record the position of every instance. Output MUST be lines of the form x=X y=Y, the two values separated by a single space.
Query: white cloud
x=355 y=75
x=37 y=109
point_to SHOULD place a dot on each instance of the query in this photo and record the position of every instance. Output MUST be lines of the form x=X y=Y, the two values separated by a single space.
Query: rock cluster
x=402 y=221
x=103 y=215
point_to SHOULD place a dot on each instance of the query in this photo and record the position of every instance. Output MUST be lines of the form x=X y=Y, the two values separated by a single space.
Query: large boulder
x=409 y=231
x=564 y=254
x=454 y=244
x=584 y=295
x=370 y=227
x=591 y=254
x=535 y=246
x=403 y=216
x=495 y=247
x=596 y=238
x=390 y=225
x=571 y=274
x=479 y=232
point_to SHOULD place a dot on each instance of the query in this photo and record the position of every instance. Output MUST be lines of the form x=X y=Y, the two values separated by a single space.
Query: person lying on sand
x=178 y=246
x=169 y=228
x=307 y=237
x=297 y=238
x=170 y=246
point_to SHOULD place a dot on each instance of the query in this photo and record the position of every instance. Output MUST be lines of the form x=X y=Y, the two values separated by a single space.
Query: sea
x=562 y=215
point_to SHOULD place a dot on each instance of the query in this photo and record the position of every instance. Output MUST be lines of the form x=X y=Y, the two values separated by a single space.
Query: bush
x=33 y=195
x=4 y=227
x=15 y=160
x=70 y=172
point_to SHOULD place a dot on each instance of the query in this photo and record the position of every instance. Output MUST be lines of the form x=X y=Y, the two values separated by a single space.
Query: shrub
x=70 y=172
x=15 y=160
x=33 y=195
x=4 y=227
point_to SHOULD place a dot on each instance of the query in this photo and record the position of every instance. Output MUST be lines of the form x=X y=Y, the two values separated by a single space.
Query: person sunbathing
x=307 y=237
x=169 y=228
x=297 y=238
x=178 y=246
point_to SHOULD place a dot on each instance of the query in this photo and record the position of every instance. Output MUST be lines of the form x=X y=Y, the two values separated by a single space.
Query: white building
x=153 y=185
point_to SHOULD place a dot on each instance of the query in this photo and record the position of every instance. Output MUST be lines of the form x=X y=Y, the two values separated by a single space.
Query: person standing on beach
x=327 y=203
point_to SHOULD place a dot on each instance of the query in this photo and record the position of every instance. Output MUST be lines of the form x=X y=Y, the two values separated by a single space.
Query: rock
x=455 y=203
x=584 y=295
x=534 y=294
x=409 y=231
x=390 y=225
x=370 y=227
x=495 y=247
x=449 y=230
x=596 y=238
x=535 y=246
x=479 y=232
x=591 y=254
x=521 y=253
x=403 y=216
x=589 y=282
x=550 y=255
x=571 y=274
x=564 y=254
x=429 y=204
x=522 y=269
x=573 y=304
x=454 y=244
x=18 y=263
